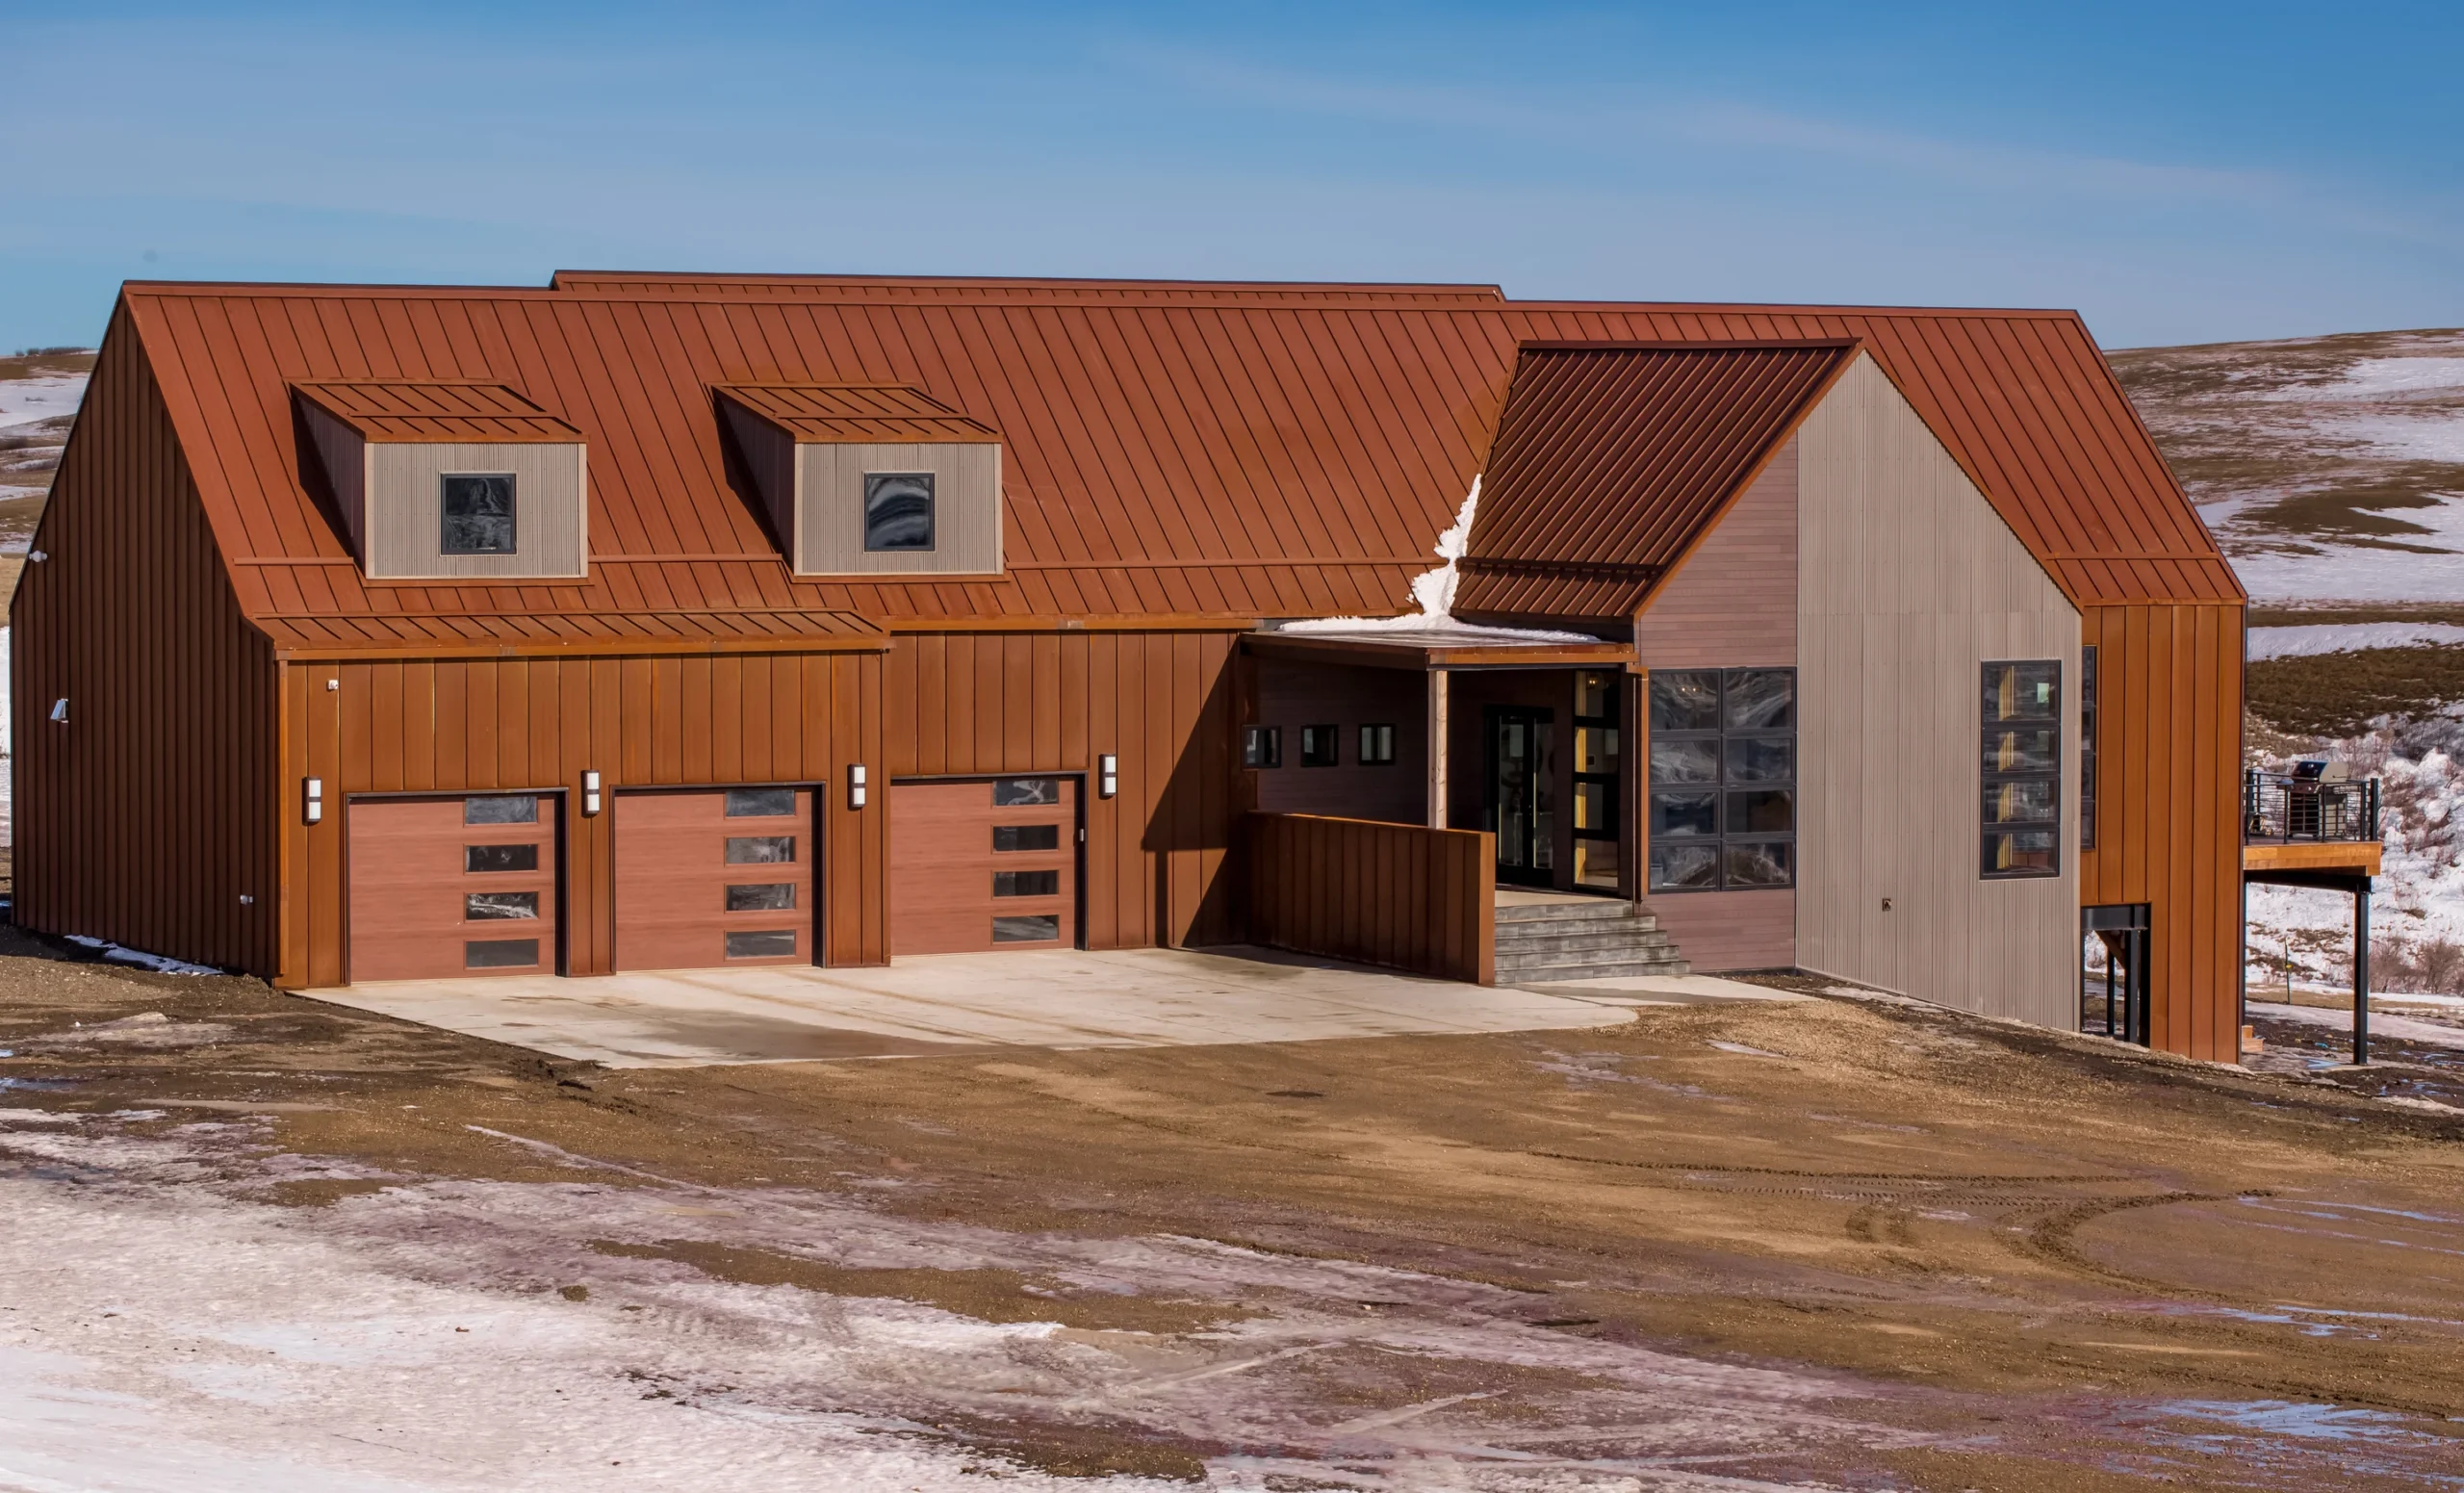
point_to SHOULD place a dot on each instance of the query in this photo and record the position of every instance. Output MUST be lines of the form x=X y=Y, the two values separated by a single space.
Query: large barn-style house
x=659 y=621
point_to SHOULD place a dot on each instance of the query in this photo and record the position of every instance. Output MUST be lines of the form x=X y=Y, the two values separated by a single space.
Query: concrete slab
x=946 y=1003
x=1663 y=989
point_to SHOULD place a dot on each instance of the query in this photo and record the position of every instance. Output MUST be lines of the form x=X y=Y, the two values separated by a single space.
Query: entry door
x=1522 y=794
x=715 y=877
x=988 y=863
x=450 y=886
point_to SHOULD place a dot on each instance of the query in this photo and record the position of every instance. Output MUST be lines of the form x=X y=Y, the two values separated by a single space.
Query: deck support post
x=1437 y=717
x=2361 y=971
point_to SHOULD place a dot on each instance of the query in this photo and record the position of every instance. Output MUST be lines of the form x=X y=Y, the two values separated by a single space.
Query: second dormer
x=450 y=480
x=864 y=480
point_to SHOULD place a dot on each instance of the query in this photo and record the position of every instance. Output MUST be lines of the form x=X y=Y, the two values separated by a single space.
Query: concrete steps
x=1585 y=939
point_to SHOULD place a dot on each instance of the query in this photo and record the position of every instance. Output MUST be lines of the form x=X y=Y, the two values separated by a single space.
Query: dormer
x=864 y=479
x=448 y=480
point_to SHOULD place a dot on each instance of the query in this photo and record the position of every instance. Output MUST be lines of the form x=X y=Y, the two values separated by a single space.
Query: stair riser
x=1618 y=939
x=1628 y=971
x=1606 y=912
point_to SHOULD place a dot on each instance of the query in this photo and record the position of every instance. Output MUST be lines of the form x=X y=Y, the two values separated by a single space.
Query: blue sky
x=2186 y=172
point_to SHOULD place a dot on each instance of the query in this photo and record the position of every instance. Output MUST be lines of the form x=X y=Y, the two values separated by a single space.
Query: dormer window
x=870 y=479
x=477 y=513
x=898 y=511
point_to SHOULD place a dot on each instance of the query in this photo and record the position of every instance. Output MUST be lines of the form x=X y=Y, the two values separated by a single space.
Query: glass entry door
x=1522 y=794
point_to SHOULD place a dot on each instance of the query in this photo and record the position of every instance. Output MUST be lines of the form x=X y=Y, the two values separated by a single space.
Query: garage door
x=714 y=877
x=984 y=864
x=446 y=886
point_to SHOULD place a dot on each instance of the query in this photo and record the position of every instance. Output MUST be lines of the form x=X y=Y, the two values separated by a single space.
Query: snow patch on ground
x=159 y=1331
x=2322 y=571
x=117 y=954
x=2348 y=637
x=25 y=400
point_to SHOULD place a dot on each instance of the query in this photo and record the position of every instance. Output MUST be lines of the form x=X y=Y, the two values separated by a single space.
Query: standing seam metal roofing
x=1200 y=451
x=1610 y=460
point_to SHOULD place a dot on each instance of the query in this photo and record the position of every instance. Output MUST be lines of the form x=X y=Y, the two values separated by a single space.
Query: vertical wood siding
x=1733 y=603
x=966 y=508
x=148 y=816
x=2168 y=808
x=1157 y=873
x=1401 y=895
x=1910 y=582
x=1293 y=694
x=475 y=725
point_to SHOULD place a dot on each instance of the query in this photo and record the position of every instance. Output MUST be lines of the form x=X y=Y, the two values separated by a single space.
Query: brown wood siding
x=962 y=704
x=946 y=864
x=1292 y=695
x=1730 y=929
x=1401 y=895
x=1732 y=602
x=672 y=872
x=149 y=816
x=411 y=885
x=463 y=726
x=2168 y=808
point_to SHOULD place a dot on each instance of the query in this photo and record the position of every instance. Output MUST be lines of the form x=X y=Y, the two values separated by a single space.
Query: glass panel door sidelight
x=1521 y=806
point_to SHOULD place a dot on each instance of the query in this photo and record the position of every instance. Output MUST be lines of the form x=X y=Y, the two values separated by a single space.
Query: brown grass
x=2339 y=694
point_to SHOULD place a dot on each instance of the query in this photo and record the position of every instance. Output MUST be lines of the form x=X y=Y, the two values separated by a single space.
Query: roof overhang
x=1436 y=649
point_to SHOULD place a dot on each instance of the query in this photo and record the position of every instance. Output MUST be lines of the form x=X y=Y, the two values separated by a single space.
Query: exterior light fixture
x=589 y=792
x=856 y=786
x=1107 y=775
x=37 y=557
x=60 y=711
x=314 y=805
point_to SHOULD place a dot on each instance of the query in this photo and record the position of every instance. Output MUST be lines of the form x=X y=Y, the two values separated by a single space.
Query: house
x=668 y=621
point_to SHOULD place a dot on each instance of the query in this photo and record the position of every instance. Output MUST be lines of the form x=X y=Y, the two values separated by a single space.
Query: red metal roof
x=857 y=412
x=418 y=410
x=1609 y=460
x=1190 y=451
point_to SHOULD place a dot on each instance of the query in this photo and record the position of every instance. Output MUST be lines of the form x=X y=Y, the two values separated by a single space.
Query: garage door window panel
x=481 y=906
x=762 y=943
x=499 y=859
x=762 y=850
x=500 y=953
x=765 y=897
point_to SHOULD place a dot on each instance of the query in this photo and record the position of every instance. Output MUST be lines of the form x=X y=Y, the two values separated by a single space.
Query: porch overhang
x=1437 y=648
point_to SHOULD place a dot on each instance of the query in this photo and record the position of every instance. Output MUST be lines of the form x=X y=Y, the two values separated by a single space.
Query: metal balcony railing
x=2306 y=805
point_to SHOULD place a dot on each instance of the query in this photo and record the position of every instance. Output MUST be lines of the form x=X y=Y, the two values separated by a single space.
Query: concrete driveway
x=947 y=1002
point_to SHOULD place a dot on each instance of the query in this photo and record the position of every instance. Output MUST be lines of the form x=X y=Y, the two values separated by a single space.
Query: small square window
x=898 y=511
x=507 y=808
x=476 y=509
x=484 y=906
x=1377 y=746
x=1318 y=746
x=761 y=803
x=762 y=850
x=1261 y=746
x=762 y=943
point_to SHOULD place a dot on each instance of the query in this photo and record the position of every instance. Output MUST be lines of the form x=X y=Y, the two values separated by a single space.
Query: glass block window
x=1261 y=746
x=2022 y=769
x=2088 y=747
x=761 y=803
x=1722 y=775
x=1318 y=747
x=898 y=511
x=476 y=509
x=1377 y=746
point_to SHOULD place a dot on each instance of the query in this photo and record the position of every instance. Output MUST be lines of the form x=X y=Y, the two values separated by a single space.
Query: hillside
x=38 y=393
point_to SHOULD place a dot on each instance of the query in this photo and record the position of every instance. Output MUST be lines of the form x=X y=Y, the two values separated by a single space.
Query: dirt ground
x=1837 y=1243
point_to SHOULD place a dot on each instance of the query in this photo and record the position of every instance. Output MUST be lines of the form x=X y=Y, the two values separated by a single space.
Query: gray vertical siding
x=549 y=497
x=770 y=452
x=1908 y=584
x=345 y=461
x=829 y=508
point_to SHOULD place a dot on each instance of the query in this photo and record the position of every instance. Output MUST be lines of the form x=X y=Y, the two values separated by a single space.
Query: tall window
x=477 y=513
x=898 y=510
x=2088 y=747
x=1723 y=779
x=1597 y=829
x=2022 y=769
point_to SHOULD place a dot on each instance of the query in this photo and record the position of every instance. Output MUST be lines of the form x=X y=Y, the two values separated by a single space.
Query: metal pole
x=1437 y=714
x=2110 y=956
x=2361 y=972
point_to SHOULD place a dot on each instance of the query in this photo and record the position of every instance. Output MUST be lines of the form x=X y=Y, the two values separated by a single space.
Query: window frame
x=1718 y=735
x=1376 y=745
x=932 y=512
x=444 y=547
x=1322 y=746
x=1988 y=830
x=1261 y=747
x=2087 y=723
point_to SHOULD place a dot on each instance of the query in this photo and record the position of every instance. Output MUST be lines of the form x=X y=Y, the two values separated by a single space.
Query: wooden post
x=2361 y=972
x=1437 y=717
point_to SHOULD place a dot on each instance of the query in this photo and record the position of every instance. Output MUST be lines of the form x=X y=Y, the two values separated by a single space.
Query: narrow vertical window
x=1318 y=746
x=2088 y=747
x=1377 y=746
x=1597 y=822
x=476 y=513
x=2021 y=773
x=1261 y=746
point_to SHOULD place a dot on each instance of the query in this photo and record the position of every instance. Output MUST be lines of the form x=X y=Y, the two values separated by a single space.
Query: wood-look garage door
x=446 y=886
x=714 y=877
x=984 y=864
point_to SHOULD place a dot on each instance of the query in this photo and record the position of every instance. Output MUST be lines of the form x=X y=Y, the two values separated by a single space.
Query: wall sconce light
x=37 y=557
x=856 y=786
x=315 y=804
x=589 y=792
x=1107 y=775
x=59 y=712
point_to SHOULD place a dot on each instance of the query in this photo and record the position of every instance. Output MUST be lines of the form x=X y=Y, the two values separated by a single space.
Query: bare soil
x=2035 y=1248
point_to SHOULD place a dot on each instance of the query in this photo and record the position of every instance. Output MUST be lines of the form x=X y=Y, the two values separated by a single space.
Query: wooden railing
x=1399 y=896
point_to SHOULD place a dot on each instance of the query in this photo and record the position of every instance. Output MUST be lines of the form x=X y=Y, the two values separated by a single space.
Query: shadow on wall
x=1191 y=833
